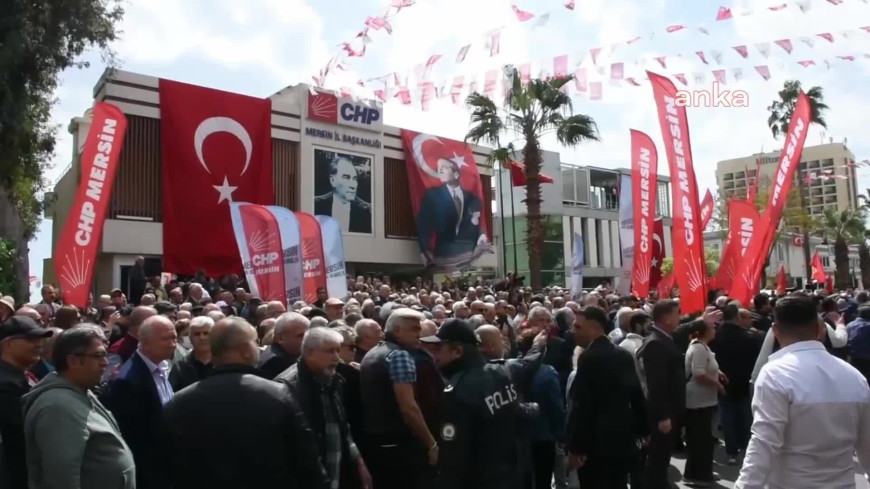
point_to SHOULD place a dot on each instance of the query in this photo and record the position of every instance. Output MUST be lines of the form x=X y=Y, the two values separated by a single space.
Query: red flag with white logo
x=688 y=239
x=76 y=251
x=666 y=286
x=742 y=224
x=750 y=269
x=706 y=209
x=313 y=262
x=216 y=150
x=259 y=240
x=644 y=186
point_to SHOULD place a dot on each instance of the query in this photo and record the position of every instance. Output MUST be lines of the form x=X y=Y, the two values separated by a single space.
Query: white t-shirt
x=700 y=360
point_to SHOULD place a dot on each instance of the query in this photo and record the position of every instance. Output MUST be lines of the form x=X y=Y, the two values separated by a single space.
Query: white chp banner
x=288 y=227
x=577 y=268
x=333 y=254
x=626 y=234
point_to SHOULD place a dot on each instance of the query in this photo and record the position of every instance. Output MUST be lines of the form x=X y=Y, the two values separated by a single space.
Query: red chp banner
x=216 y=150
x=259 y=240
x=77 y=247
x=313 y=262
x=447 y=200
x=644 y=166
x=742 y=224
x=749 y=271
x=688 y=239
x=658 y=255
x=706 y=209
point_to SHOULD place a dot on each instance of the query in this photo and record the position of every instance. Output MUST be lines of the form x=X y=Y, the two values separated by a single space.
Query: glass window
x=664 y=203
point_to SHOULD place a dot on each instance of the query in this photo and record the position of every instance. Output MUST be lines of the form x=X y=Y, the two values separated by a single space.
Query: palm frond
x=577 y=129
x=486 y=122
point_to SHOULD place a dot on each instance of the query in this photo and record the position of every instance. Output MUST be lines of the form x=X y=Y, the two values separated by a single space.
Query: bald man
x=275 y=309
x=29 y=312
x=123 y=349
x=492 y=345
x=137 y=395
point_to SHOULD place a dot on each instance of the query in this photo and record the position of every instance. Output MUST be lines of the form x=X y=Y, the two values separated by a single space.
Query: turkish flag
x=781 y=283
x=666 y=286
x=655 y=271
x=216 y=149
x=818 y=269
x=518 y=174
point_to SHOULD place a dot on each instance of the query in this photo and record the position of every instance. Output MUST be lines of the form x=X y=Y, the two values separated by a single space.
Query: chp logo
x=329 y=108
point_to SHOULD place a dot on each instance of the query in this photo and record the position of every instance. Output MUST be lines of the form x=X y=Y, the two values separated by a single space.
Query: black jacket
x=608 y=414
x=736 y=350
x=663 y=372
x=352 y=398
x=274 y=360
x=13 y=468
x=306 y=390
x=761 y=322
x=479 y=445
x=133 y=399
x=236 y=430
x=187 y=372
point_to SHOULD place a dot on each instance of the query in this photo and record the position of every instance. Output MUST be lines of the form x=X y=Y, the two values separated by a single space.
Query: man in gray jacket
x=73 y=441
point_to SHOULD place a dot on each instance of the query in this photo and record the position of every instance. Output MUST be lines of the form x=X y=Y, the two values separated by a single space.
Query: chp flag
x=333 y=255
x=258 y=238
x=742 y=225
x=216 y=149
x=690 y=271
x=644 y=167
x=447 y=201
x=288 y=227
x=749 y=271
x=79 y=241
x=313 y=262
x=706 y=209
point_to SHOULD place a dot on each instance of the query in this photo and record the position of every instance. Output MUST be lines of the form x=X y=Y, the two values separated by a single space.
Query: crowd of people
x=198 y=383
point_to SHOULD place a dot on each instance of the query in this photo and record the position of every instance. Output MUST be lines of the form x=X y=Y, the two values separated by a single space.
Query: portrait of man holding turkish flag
x=447 y=198
x=216 y=150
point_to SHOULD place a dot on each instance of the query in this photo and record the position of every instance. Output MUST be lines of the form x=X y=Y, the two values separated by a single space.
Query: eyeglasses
x=98 y=356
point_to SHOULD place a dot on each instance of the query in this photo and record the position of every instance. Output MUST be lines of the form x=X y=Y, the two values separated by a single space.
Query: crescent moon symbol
x=417 y=146
x=222 y=124
x=658 y=240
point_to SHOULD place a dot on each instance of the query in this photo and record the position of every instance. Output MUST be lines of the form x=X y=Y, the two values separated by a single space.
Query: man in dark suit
x=608 y=415
x=137 y=395
x=234 y=429
x=663 y=374
x=286 y=346
x=342 y=203
x=452 y=214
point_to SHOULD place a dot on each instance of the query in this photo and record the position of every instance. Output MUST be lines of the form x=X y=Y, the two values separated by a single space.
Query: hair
x=637 y=320
x=66 y=317
x=564 y=318
x=796 y=315
x=862 y=297
x=596 y=314
x=363 y=324
x=200 y=321
x=396 y=317
x=760 y=300
x=315 y=338
x=730 y=311
x=353 y=318
x=347 y=333
x=228 y=335
x=663 y=308
x=181 y=325
x=829 y=304
x=45 y=288
x=333 y=164
x=74 y=341
x=475 y=321
x=140 y=314
x=538 y=310
x=149 y=324
x=318 y=322
x=283 y=322
x=336 y=323
x=456 y=306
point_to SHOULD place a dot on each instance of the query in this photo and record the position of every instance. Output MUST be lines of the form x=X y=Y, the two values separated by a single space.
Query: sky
x=258 y=47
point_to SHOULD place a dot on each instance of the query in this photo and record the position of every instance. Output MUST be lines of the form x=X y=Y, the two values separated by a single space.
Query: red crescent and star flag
x=644 y=185
x=688 y=239
x=447 y=199
x=655 y=273
x=76 y=251
x=818 y=269
x=749 y=271
x=216 y=150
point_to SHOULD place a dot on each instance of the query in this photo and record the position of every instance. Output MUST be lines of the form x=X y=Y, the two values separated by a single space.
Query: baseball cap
x=8 y=301
x=22 y=326
x=453 y=331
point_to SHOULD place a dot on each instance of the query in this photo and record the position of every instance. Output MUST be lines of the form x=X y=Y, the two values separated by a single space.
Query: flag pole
x=501 y=205
x=513 y=222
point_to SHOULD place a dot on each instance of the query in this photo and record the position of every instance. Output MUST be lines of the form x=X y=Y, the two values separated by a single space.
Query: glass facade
x=516 y=249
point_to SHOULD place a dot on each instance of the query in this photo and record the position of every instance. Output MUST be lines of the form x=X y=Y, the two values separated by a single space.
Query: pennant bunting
x=569 y=4
x=594 y=52
x=763 y=48
x=378 y=23
x=826 y=36
x=703 y=30
x=661 y=60
x=580 y=79
x=778 y=7
x=560 y=66
x=675 y=28
x=701 y=55
x=381 y=95
x=763 y=71
x=525 y=73
x=595 y=91
x=724 y=14
x=682 y=79
x=494 y=43
x=737 y=73
x=699 y=77
x=522 y=15
x=785 y=44
x=404 y=95
x=489 y=81
x=717 y=56
x=427 y=93
x=617 y=71
x=541 y=21
x=456 y=88
x=633 y=40
x=633 y=82
x=803 y=5
x=806 y=63
x=847 y=58
x=808 y=41
x=742 y=50
x=400 y=4
x=460 y=57
x=835 y=2
x=719 y=75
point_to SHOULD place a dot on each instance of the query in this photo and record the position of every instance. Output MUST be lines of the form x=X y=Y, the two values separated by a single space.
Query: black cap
x=23 y=326
x=165 y=307
x=453 y=331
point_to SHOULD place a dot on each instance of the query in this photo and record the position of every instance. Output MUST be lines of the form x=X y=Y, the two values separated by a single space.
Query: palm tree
x=863 y=249
x=843 y=227
x=530 y=111
x=781 y=111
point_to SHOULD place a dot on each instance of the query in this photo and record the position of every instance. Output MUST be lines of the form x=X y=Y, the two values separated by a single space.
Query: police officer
x=479 y=446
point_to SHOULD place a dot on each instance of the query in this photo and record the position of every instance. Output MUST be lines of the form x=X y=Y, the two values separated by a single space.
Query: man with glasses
x=196 y=364
x=20 y=348
x=69 y=434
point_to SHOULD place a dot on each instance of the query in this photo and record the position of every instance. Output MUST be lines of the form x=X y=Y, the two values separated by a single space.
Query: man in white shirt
x=811 y=410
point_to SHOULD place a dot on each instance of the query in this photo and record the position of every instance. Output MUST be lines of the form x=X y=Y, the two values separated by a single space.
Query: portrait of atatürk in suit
x=342 y=184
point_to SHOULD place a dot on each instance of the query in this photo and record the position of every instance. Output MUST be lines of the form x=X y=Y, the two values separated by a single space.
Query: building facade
x=300 y=140
x=828 y=180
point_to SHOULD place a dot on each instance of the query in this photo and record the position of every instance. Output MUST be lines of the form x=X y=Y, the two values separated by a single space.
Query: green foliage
x=781 y=110
x=7 y=266
x=711 y=257
x=667 y=266
x=39 y=39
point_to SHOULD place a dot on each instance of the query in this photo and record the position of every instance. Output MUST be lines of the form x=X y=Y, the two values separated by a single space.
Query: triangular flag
x=427 y=93
x=489 y=81
x=460 y=57
x=701 y=55
x=785 y=44
x=763 y=71
x=743 y=50
x=675 y=28
x=472 y=85
x=595 y=91
x=827 y=64
x=525 y=73
x=522 y=15
x=632 y=81
x=580 y=79
x=808 y=41
x=400 y=4
x=717 y=56
x=601 y=70
x=542 y=20
x=617 y=71
x=724 y=13
x=633 y=40
x=381 y=95
x=778 y=7
x=827 y=36
x=456 y=88
x=569 y=4
x=661 y=60
x=494 y=43
x=560 y=66
x=682 y=79
x=806 y=63
x=595 y=52
x=850 y=34
x=703 y=30
x=719 y=75
x=866 y=28
x=847 y=58
x=835 y=2
x=763 y=48
x=405 y=95
x=804 y=5
x=737 y=73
